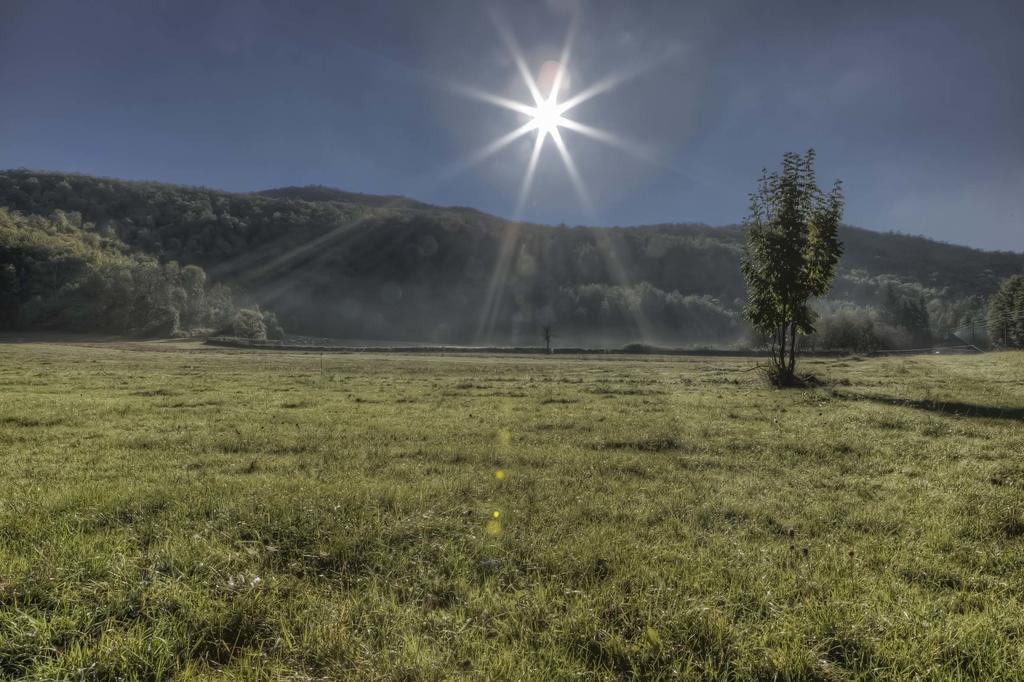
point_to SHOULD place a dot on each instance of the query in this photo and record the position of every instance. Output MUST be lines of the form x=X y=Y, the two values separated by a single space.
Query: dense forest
x=333 y=263
x=57 y=273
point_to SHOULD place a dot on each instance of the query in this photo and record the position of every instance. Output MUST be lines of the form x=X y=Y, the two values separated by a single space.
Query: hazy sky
x=917 y=106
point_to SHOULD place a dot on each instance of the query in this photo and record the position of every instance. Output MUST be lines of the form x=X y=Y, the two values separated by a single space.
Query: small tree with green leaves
x=790 y=256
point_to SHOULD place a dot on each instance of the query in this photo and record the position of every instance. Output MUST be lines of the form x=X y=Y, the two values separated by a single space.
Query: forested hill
x=348 y=265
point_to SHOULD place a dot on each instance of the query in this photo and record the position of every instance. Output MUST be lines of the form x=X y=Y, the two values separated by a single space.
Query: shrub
x=249 y=324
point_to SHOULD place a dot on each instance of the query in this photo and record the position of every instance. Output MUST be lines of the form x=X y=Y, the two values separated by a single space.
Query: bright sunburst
x=546 y=116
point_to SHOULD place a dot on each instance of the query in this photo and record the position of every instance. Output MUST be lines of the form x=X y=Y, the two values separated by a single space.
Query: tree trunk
x=792 y=351
x=781 y=360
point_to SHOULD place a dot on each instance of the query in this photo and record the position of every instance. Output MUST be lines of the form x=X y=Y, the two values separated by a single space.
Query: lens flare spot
x=653 y=637
x=552 y=74
x=504 y=437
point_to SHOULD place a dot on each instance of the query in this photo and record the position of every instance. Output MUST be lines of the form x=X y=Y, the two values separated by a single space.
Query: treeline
x=59 y=273
x=904 y=318
x=337 y=264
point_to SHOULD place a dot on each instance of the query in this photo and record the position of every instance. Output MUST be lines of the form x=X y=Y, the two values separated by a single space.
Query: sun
x=546 y=117
x=546 y=114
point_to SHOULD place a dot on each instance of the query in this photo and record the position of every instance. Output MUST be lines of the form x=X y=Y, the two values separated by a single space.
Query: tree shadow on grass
x=957 y=409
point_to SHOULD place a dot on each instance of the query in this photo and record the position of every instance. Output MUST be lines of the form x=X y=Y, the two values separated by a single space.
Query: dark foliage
x=58 y=273
x=1006 y=314
x=908 y=313
x=345 y=265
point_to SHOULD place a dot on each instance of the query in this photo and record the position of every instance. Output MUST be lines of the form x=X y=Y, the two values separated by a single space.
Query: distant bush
x=857 y=330
x=274 y=329
x=249 y=324
x=638 y=349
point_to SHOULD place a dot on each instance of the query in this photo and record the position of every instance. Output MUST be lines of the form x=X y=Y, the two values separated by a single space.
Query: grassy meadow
x=168 y=509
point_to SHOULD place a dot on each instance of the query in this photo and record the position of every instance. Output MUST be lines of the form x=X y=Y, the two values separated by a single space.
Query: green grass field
x=169 y=509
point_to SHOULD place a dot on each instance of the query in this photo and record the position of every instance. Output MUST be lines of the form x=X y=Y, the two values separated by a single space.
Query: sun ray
x=634 y=149
x=517 y=56
x=563 y=63
x=611 y=81
x=594 y=90
x=487 y=151
x=490 y=98
x=492 y=299
x=570 y=167
x=253 y=270
x=502 y=142
x=531 y=169
x=510 y=238
x=603 y=239
x=604 y=136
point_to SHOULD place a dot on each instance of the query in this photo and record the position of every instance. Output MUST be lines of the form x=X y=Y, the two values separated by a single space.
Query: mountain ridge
x=338 y=263
x=337 y=194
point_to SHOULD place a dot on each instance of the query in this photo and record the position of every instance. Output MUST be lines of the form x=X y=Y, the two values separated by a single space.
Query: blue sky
x=917 y=106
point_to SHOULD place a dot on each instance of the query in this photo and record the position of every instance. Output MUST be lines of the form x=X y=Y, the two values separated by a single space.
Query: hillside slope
x=58 y=274
x=349 y=265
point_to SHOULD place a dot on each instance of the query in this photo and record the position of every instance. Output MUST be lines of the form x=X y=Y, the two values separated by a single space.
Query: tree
x=909 y=314
x=790 y=255
x=274 y=328
x=892 y=307
x=249 y=324
x=1006 y=314
x=193 y=283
